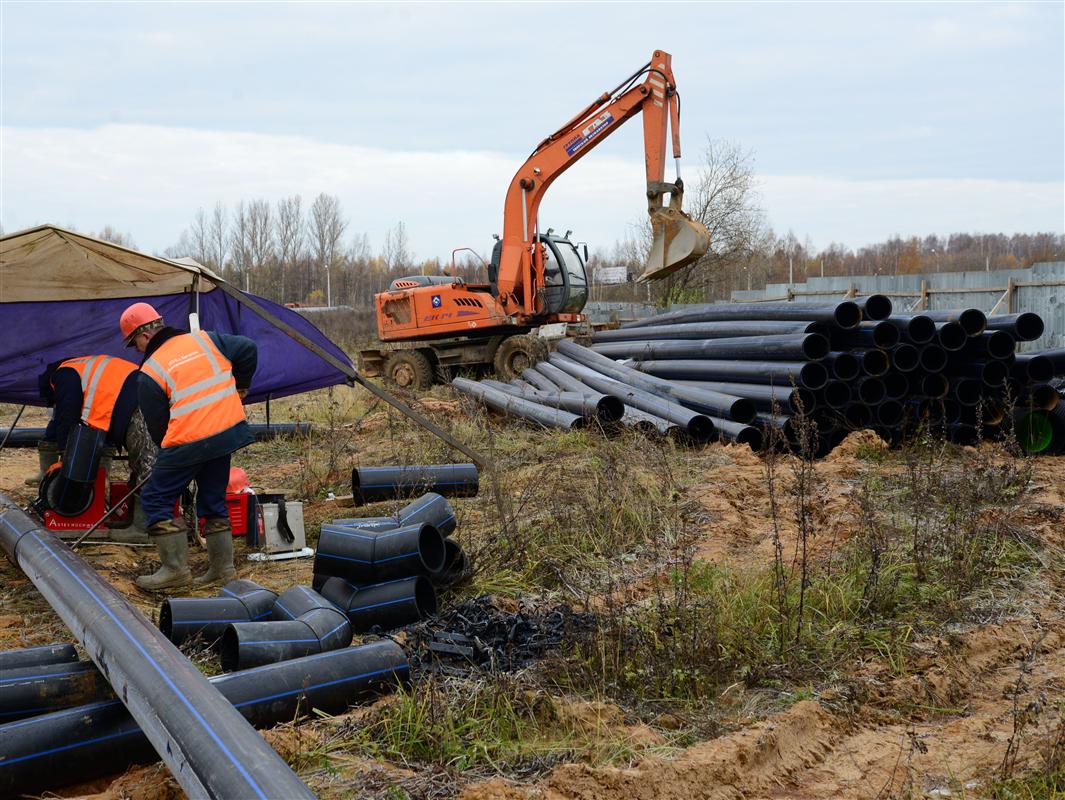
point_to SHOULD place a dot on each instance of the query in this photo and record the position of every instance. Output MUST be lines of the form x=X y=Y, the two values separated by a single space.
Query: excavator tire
x=518 y=353
x=409 y=369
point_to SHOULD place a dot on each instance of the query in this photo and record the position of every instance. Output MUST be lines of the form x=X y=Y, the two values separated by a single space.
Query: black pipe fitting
x=364 y=557
x=303 y=623
x=431 y=509
x=382 y=606
x=183 y=618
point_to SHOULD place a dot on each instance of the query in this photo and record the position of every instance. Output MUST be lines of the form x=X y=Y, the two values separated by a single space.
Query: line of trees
x=289 y=252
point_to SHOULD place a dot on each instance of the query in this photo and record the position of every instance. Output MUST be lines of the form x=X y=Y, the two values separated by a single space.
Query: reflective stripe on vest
x=198 y=381
x=101 y=381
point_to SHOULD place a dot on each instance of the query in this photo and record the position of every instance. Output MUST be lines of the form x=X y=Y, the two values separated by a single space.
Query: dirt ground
x=944 y=722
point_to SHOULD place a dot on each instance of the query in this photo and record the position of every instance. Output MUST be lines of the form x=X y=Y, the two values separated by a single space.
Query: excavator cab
x=565 y=278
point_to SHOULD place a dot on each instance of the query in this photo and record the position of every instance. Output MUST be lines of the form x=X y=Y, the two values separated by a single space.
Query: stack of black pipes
x=802 y=376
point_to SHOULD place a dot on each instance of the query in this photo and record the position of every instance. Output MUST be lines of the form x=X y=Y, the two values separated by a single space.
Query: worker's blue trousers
x=166 y=484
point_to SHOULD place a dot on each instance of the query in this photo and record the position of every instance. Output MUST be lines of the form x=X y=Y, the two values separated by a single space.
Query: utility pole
x=791 y=272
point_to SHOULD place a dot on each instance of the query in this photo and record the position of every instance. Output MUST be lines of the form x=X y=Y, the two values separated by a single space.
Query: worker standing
x=190 y=390
x=101 y=392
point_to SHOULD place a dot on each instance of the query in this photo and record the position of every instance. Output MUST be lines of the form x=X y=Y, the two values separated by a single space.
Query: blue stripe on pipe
x=155 y=665
x=242 y=596
x=301 y=690
x=205 y=621
x=61 y=748
x=337 y=628
x=393 y=558
x=363 y=561
x=378 y=605
x=289 y=613
x=281 y=641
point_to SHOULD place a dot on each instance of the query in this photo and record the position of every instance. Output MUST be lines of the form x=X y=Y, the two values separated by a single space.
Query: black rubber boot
x=219 y=536
x=169 y=537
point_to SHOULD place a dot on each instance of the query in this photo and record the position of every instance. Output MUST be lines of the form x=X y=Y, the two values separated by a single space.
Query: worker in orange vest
x=101 y=392
x=190 y=390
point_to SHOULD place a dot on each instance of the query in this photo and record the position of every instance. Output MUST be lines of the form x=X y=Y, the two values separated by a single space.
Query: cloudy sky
x=864 y=119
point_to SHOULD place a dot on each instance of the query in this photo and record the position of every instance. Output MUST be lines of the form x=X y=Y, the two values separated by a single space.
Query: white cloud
x=149 y=181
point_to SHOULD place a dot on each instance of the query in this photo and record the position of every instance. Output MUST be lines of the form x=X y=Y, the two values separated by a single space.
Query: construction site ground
x=877 y=624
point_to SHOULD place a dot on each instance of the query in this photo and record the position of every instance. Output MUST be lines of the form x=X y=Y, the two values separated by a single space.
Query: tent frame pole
x=354 y=375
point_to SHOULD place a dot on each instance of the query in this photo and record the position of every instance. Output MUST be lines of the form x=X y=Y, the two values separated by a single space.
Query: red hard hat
x=134 y=317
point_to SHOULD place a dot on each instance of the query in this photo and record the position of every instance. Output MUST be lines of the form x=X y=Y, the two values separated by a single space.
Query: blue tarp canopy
x=61 y=294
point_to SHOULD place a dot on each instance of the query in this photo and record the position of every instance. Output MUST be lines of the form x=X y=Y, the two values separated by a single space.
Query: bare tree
x=218 y=247
x=290 y=234
x=396 y=252
x=327 y=226
x=723 y=198
x=113 y=235
x=200 y=237
x=240 y=244
x=260 y=241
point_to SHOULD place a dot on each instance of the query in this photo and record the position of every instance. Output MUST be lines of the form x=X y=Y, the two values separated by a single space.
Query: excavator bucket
x=678 y=241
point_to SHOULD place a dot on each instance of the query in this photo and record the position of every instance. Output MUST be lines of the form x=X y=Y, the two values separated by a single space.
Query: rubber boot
x=47 y=454
x=137 y=532
x=169 y=538
x=219 y=536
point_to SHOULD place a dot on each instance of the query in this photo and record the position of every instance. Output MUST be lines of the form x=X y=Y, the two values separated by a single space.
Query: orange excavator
x=431 y=323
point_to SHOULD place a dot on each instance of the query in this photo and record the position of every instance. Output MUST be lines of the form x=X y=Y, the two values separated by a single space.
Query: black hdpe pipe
x=905 y=357
x=869 y=334
x=33 y=656
x=843 y=366
x=457 y=566
x=602 y=407
x=562 y=380
x=711 y=330
x=791 y=347
x=33 y=690
x=869 y=390
x=750 y=435
x=835 y=394
x=874 y=362
x=429 y=509
x=384 y=606
x=370 y=484
x=1041 y=396
x=538 y=381
x=697 y=425
x=1056 y=418
x=1033 y=368
x=972 y=319
x=889 y=413
x=915 y=329
x=789 y=400
x=896 y=385
x=183 y=618
x=1025 y=327
x=811 y=375
x=968 y=391
x=874 y=306
x=846 y=314
x=364 y=557
x=932 y=358
x=87 y=742
x=303 y=623
x=705 y=401
x=992 y=344
x=518 y=406
x=951 y=336
x=210 y=749
x=858 y=415
x=932 y=384
x=1057 y=358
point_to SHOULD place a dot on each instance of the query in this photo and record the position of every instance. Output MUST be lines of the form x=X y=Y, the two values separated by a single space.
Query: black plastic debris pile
x=480 y=636
x=800 y=377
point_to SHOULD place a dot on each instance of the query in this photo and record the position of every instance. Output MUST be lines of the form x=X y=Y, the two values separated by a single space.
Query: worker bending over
x=190 y=391
x=101 y=392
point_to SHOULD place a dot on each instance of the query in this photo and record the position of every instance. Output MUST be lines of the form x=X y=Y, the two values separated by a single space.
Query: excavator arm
x=678 y=240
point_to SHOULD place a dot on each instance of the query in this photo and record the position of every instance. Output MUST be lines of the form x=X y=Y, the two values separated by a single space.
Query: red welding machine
x=96 y=502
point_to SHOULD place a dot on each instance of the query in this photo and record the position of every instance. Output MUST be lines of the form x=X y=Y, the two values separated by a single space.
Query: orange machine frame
x=458 y=308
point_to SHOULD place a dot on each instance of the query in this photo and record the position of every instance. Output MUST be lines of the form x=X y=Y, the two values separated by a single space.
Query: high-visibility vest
x=198 y=381
x=101 y=381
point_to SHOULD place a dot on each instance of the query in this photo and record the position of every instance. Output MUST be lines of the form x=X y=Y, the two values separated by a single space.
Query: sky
x=863 y=120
